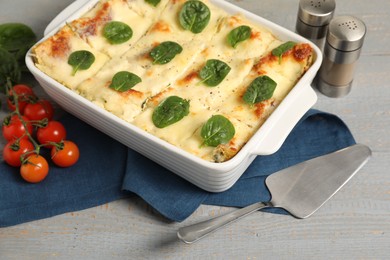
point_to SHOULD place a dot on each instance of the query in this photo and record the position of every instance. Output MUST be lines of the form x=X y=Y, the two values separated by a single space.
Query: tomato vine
x=29 y=125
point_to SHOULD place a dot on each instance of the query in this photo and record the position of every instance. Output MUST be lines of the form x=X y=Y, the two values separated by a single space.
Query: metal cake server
x=300 y=189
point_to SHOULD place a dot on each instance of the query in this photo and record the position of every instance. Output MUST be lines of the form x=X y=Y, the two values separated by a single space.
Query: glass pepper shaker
x=342 y=49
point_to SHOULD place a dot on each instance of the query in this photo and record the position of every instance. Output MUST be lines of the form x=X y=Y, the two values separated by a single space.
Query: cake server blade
x=300 y=189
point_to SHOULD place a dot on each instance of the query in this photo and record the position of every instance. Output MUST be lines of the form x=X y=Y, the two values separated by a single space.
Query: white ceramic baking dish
x=214 y=177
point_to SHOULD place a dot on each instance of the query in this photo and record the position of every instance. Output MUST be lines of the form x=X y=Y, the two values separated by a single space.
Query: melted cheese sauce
x=180 y=77
x=90 y=27
x=52 y=58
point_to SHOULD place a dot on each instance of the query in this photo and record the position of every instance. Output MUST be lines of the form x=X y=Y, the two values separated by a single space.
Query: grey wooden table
x=355 y=224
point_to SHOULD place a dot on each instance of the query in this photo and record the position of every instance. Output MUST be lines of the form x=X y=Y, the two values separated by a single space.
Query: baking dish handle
x=64 y=15
x=282 y=126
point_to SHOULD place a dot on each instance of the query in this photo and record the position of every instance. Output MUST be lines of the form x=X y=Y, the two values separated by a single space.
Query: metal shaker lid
x=346 y=33
x=316 y=12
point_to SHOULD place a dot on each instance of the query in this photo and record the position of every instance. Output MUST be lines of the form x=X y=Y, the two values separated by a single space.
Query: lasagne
x=185 y=71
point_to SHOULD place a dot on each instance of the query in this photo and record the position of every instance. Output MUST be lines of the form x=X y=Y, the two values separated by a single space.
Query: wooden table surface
x=354 y=224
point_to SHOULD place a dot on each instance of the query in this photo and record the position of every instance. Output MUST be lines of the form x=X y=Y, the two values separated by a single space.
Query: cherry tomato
x=53 y=132
x=65 y=154
x=39 y=110
x=34 y=169
x=24 y=93
x=15 y=149
x=14 y=129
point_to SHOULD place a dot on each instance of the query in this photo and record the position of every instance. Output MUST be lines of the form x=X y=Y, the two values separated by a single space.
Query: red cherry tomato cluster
x=30 y=127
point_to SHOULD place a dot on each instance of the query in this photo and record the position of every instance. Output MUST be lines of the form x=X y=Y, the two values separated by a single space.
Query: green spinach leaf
x=238 y=35
x=117 y=32
x=214 y=72
x=9 y=69
x=165 y=52
x=194 y=16
x=262 y=88
x=217 y=130
x=283 y=48
x=153 y=2
x=80 y=60
x=170 y=111
x=16 y=39
x=124 y=80
x=16 y=36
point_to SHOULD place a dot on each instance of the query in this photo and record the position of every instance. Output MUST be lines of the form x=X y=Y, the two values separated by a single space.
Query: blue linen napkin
x=108 y=171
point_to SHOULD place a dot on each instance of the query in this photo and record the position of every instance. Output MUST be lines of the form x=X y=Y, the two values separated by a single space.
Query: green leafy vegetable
x=16 y=36
x=15 y=40
x=9 y=69
x=170 y=111
x=217 y=130
x=165 y=52
x=117 y=32
x=194 y=16
x=153 y=2
x=124 y=80
x=81 y=60
x=214 y=72
x=262 y=88
x=283 y=48
x=238 y=35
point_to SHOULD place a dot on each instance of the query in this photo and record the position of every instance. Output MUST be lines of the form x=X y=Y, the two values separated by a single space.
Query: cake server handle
x=192 y=233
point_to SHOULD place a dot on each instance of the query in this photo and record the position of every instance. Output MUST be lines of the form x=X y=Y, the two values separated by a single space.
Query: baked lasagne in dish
x=185 y=71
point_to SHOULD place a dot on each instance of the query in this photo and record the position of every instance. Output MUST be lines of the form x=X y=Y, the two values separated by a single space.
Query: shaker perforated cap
x=316 y=12
x=346 y=33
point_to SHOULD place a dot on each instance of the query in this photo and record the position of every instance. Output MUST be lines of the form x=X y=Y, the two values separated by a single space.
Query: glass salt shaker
x=313 y=19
